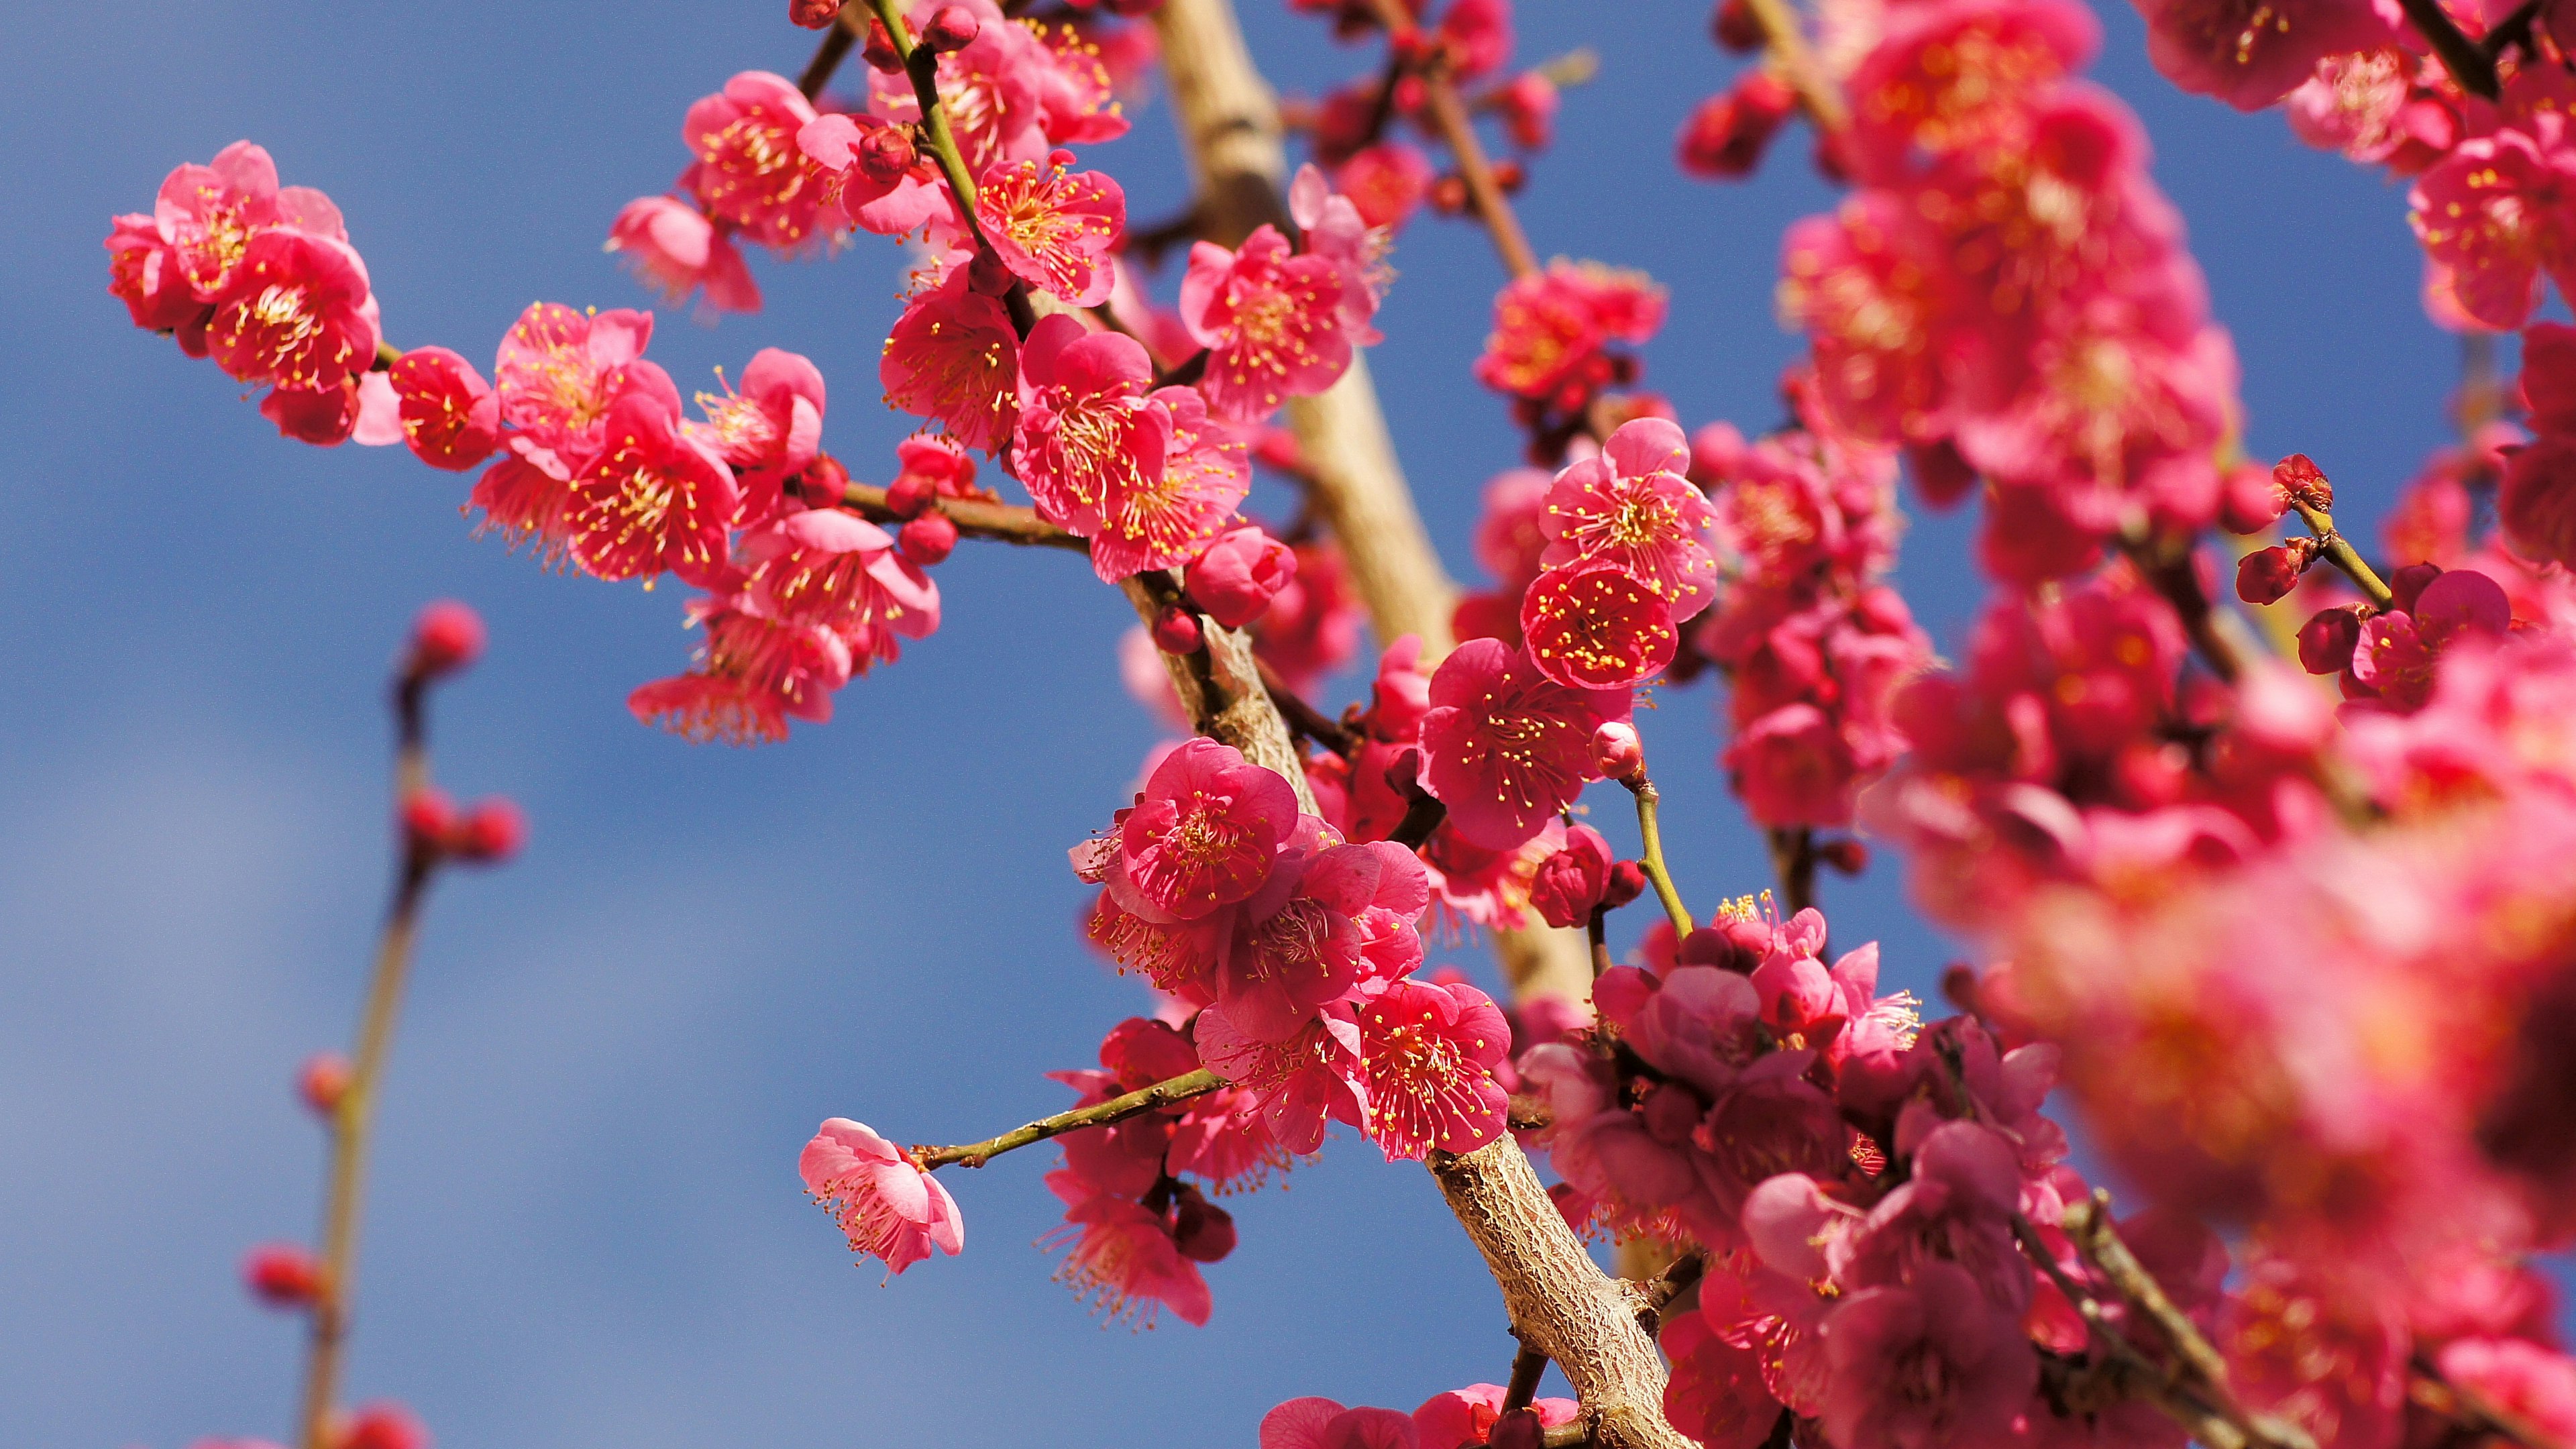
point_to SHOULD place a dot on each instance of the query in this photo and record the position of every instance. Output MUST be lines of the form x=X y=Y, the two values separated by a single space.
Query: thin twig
x=1527 y=1365
x=1788 y=43
x=1669 y=1285
x=2466 y=60
x=2342 y=554
x=1793 y=859
x=1458 y=130
x=974 y=517
x=1117 y=1109
x=846 y=29
x=2221 y=637
x=1651 y=860
x=1304 y=718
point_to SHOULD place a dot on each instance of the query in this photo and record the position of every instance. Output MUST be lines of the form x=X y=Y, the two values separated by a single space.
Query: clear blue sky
x=586 y=1225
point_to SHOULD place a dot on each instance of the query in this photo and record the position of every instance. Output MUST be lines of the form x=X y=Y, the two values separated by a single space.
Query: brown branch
x=2220 y=636
x=1793 y=859
x=1100 y=1114
x=1528 y=1364
x=1458 y=129
x=846 y=29
x=1304 y=718
x=1669 y=1285
x=974 y=517
x=2466 y=60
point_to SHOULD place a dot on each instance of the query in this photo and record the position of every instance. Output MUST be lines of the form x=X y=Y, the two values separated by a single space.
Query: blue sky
x=586 y=1228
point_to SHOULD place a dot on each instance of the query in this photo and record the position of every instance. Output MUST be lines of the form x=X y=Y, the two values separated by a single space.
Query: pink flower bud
x=283 y=1275
x=2249 y=501
x=445 y=638
x=1735 y=27
x=2407 y=585
x=1627 y=882
x=2303 y=481
x=1234 y=578
x=428 y=822
x=813 y=14
x=491 y=833
x=382 y=1426
x=1727 y=135
x=1202 y=1231
x=1571 y=883
x=929 y=539
x=323 y=1081
x=951 y=27
x=885 y=154
x=1176 y=631
x=2326 y=642
x=880 y=52
x=910 y=493
x=2267 y=575
x=1846 y=856
x=1617 y=753
x=825 y=480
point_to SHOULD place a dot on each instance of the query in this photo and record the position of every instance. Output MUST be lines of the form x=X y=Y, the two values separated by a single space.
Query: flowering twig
x=1117 y=1109
x=2469 y=63
x=921 y=64
x=1651 y=858
x=1788 y=43
x=974 y=517
x=2342 y=554
x=1458 y=130
x=846 y=29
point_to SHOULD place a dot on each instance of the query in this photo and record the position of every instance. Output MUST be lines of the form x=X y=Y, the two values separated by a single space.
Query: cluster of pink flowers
x=1457 y=1419
x=2007 y=295
x=1815 y=643
x=262 y=279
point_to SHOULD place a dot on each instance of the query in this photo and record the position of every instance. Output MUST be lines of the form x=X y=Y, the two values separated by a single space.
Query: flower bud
x=1617 y=753
x=951 y=27
x=1570 y=883
x=824 y=481
x=1202 y=1231
x=2249 y=501
x=987 y=275
x=1176 y=630
x=1510 y=176
x=1735 y=27
x=1235 y=577
x=323 y=1081
x=2267 y=575
x=1627 y=882
x=885 y=154
x=2406 y=585
x=1846 y=856
x=910 y=493
x=492 y=832
x=1726 y=136
x=1520 y=1429
x=428 y=820
x=879 y=52
x=1448 y=195
x=445 y=638
x=2304 y=482
x=283 y=1275
x=1734 y=943
x=813 y=14
x=929 y=539
x=2326 y=642
x=381 y=1426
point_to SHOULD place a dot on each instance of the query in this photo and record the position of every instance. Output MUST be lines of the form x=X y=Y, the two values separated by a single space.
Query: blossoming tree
x=2277 y=896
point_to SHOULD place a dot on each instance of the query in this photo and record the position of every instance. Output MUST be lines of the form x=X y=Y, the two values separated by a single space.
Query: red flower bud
x=323 y=1081
x=951 y=27
x=2326 y=642
x=1570 y=883
x=929 y=539
x=1448 y=195
x=813 y=14
x=2406 y=585
x=1846 y=856
x=1202 y=1231
x=1726 y=136
x=885 y=154
x=910 y=493
x=2249 y=501
x=1736 y=28
x=428 y=820
x=1176 y=631
x=2267 y=575
x=879 y=52
x=1627 y=882
x=1616 y=751
x=1510 y=175
x=491 y=833
x=284 y=1275
x=381 y=1426
x=445 y=638
x=2304 y=481
x=824 y=481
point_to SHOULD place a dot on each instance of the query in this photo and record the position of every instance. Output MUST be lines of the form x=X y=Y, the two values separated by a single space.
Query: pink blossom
x=875 y=177
x=654 y=499
x=1726 y=134
x=1324 y=1424
x=208 y=215
x=2524 y=1379
x=1205 y=833
x=1430 y=1053
x=750 y=175
x=1054 y=227
x=1276 y=326
x=1575 y=881
x=1716 y=1393
x=1322 y=925
x=768 y=430
x=677 y=252
x=1549 y=329
x=450 y=416
x=2537 y=500
x=1629 y=506
x=1163 y=524
x=1959 y=77
x=841 y=572
x=1478 y=34
x=1300 y=1084
x=1385 y=182
x=295 y=311
x=1464 y=1418
x=1122 y=1259
x=1086 y=429
x=144 y=272
x=1927 y=1363
x=1595 y=626
x=2355 y=103
x=1237 y=575
x=2496 y=215
x=954 y=357
x=755 y=672
x=1504 y=746
x=890 y=1209
x=2250 y=55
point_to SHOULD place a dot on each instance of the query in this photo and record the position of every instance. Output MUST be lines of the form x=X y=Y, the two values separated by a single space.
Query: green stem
x=1652 y=859
x=1116 y=1109
x=2343 y=556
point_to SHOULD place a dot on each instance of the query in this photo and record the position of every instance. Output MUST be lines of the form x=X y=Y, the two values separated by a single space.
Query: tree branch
x=1117 y=1109
x=2466 y=60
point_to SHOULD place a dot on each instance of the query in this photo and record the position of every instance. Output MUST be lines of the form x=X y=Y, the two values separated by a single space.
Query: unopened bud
x=382 y=1426
x=824 y=481
x=1846 y=856
x=2304 y=481
x=929 y=539
x=951 y=27
x=428 y=820
x=2267 y=575
x=813 y=14
x=323 y=1081
x=1176 y=631
x=1735 y=27
x=283 y=1275
x=879 y=51
x=1617 y=753
x=2406 y=585
x=1202 y=1231
x=885 y=154
x=1448 y=195
x=491 y=833
x=1510 y=175
x=445 y=638
x=2326 y=642
x=1627 y=882
x=910 y=494
x=2249 y=501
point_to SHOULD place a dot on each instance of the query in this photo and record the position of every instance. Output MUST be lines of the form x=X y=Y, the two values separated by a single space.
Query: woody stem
x=1117 y=1109
x=1458 y=130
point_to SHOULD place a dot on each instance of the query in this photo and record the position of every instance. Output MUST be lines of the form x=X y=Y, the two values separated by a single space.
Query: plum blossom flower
x=1122 y=1259
x=1504 y=746
x=1924 y=1363
x=1054 y=227
x=768 y=429
x=1086 y=429
x=1550 y=329
x=208 y=215
x=1464 y=1418
x=1237 y=575
x=890 y=1209
x=954 y=357
x=755 y=672
x=1324 y=1424
x=2497 y=214
x=1631 y=507
x=1205 y=833
x=750 y=175
x=655 y=498
x=1165 y=522
x=1301 y=1084
x=677 y=251
x=450 y=416
x=1324 y=923
x=1276 y=325
x=2250 y=54
x=1430 y=1052
x=838 y=570
x=1595 y=626
x=295 y=311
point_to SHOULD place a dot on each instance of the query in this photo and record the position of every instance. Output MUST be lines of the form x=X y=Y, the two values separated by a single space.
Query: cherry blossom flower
x=654 y=499
x=1429 y=1052
x=890 y=1209
x=954 y=357
x=450 y=416
x=750 y=174
x=678 y=252
x=1052 y=226
x=1276 y=326
x=1504 y=746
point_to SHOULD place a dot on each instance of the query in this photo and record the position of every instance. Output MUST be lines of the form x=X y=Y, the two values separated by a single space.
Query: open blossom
x=1054 y=227
x=1464 y=1418
x=1631 y=507
x=208 y=215
x=1236 y=576
x=768 y=429
x=2500 y=213
x=1924 y=1363
x=838 y=570
x=1302 y=1084
x=1086 y=429
x=295 y=311
x=2248 y=53
x=890 y=1209
x=1550 y=329
x=1596 y=626
x=755 y=671
x=1504 y=746
x=1121 y=1258
x=750 y=174
x=1276 y=325
x=1429 y=1052
x=1325 y=923
x=655 y=498
x=954 y=357
x=450 y=416
x=1165 y=523
x=1202 y=835
x=677 y=251
x=1324 y=1424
